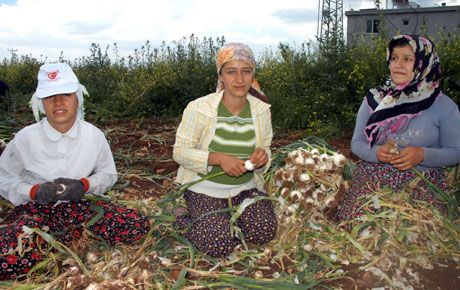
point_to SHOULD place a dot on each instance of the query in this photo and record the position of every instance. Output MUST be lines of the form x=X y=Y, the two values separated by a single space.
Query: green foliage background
x=318 y=90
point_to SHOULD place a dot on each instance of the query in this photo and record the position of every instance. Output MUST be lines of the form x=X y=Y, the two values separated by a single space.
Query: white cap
x=56 y=78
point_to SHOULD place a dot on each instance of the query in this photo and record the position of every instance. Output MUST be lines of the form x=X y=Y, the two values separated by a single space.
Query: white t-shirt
x=39 y=153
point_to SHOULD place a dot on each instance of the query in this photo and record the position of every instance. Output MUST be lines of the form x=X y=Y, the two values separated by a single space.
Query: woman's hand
x=231 y=165
x=384 y=154
x=259 y=157
x=408 y=158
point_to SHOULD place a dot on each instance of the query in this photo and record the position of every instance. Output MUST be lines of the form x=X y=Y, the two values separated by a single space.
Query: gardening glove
x=73 y=189
x=45 y=193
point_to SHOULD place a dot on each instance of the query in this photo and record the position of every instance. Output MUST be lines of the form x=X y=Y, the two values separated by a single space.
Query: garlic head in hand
x=249 y=165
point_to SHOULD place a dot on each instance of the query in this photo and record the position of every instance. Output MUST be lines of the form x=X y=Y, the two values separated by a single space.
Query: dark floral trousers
x=210 y=232
x=369 y=176
x=66 y=222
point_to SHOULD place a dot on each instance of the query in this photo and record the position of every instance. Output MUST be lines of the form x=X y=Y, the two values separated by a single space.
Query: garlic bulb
x=295 y=195
x=311 y=180
x=304 y=177
x=61 y=189
x=299 y=160
x=339 y=160
x=249 y=165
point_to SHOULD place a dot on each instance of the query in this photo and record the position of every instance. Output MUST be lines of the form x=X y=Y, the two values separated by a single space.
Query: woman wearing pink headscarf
x=218 y=133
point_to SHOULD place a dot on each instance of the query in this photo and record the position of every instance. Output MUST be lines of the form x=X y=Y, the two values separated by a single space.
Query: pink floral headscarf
x=394 y=106
x=238 y=51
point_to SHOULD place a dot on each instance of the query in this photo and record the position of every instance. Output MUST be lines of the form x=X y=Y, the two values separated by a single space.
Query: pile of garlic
x=311 y=180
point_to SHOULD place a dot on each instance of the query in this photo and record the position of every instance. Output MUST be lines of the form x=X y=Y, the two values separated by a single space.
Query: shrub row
x=310 y=88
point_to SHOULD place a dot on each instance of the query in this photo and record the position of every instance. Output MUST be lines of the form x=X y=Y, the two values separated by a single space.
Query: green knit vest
x=234 y=135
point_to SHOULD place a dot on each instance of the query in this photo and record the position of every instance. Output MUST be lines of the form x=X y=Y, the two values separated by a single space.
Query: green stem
x=187 y=185
x=322 y=148
x=175 y=194
x=313 y=176
x=439 y=193
x=451 y=202
x=456 y=174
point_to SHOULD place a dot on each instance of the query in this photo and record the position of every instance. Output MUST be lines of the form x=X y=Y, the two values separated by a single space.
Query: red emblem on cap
x=53 y=74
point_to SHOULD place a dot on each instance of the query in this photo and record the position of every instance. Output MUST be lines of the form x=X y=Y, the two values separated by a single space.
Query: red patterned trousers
x=65 y=221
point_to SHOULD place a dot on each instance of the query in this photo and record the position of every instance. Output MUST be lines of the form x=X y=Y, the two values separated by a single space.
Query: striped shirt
x=234 y=135
x=195 y=133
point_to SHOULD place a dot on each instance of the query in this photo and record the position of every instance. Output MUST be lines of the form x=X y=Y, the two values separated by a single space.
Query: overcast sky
x=47 y=27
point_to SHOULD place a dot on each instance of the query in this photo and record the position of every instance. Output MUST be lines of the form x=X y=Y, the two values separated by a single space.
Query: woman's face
x=236 y=76
x=402 y=61
x=61 y=111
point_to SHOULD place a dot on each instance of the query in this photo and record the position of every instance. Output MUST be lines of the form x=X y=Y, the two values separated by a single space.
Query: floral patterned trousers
x=210 y=232
x=66 y=222
x=369 y=176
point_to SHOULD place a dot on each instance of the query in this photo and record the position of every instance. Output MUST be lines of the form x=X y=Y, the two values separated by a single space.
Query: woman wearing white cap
x=59 y=158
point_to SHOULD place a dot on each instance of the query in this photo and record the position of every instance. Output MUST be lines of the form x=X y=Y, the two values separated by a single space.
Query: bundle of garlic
x=311 y=180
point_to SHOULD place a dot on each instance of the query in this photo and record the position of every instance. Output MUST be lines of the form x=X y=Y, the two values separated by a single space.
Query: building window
x=406 y=22
x=424 y=27
x=372 y=26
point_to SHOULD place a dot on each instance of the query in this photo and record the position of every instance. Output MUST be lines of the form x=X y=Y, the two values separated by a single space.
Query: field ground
x=143 y=153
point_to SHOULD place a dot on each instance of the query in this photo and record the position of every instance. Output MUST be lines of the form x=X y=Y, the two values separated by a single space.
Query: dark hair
x=261 y=96
x=397 y=42
x=3 y=88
